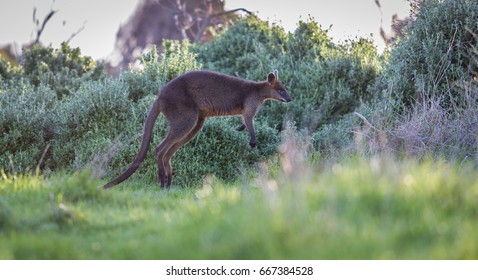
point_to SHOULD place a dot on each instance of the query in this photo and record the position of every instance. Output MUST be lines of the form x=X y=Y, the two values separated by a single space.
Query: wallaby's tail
x=143 y=149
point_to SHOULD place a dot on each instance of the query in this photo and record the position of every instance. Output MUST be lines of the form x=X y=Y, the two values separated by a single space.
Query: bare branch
x=45 y=21
x=360 y=116
x=208 y=20
x=37 y=169
x=12 y=166
x=76 y=33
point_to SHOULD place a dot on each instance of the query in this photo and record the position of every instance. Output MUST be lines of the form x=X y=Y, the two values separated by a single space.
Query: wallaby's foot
x=163 y=180
x=241 y=127
x=168 y=181
x=252 y=144
x=164 y=184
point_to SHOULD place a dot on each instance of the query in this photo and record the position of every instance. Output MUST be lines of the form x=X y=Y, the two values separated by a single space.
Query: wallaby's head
x=276 y=89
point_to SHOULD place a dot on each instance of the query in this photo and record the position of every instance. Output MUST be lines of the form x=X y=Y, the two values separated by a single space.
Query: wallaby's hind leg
x=179 y=128
x=160 y=163
x=169 y=154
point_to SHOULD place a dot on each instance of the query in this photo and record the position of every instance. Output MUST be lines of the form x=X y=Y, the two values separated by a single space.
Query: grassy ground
x=359 y=209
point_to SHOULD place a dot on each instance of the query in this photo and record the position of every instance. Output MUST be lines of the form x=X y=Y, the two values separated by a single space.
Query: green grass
x=359 y=209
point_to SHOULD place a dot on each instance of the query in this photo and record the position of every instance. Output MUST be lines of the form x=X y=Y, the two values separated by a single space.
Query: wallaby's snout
x=281 y=93
x=285 y=95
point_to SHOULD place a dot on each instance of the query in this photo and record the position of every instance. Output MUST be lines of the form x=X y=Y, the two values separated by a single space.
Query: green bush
x=158 y=69
x=7 y=72
x=8 y=65
x=308 y=42
x=222 y=151
x=435 y=54
x=63 y=70
x=248 y=49
x=325 y=80
x=334 y=140
x=62 y=101
x=42 y=116
x=328 y=80
x=32 y=118
x=98 y=123
x=92 y=115
x=29 y=119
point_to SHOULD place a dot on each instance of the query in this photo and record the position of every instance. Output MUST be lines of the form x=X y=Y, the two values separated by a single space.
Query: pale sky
x=102 y=18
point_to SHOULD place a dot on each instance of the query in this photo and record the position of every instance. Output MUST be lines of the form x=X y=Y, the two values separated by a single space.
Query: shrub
x=61 y=69
x=32 y=118
x=222 y=151
x=249 y=49
x=32 y=114
x=429 y=129
x=7 y=72
x=8 y=65
x=92 y=115
x=308 y=42
x=337 y=139
x=98 y=123
x=28 y=121
x=325 y=89
x=158 y=69
x=422 y=130
x=326 y=80
x=436 y=53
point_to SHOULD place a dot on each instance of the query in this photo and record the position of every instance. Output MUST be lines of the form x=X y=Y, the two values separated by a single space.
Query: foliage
x=8 y=65
x=436 y=54
x=426 y=129
x=28 y=120
x=33 y=118
x=423 y=130
x=245 y=49
x=160 y=68
x=63 y=70
x=424 y=101
x=97 y=126
x=325 y=79
x=7 y=72
x=223 y=152
x=92 y=116
x=96 y=121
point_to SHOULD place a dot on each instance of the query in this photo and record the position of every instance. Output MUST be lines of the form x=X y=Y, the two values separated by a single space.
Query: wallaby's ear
x=276 y=73
x=270 y=78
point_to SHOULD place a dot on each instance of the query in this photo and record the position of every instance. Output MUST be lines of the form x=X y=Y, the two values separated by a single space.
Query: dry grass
x=425 y=129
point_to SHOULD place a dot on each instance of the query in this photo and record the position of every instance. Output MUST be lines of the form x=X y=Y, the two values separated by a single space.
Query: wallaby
x=188 y=100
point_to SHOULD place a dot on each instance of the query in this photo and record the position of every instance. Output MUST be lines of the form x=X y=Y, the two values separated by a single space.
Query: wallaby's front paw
x=241 y=127
x=252 y=144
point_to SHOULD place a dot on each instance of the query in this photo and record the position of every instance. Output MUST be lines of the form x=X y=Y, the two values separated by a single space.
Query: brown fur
x=188 y=100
